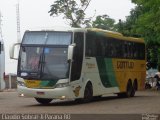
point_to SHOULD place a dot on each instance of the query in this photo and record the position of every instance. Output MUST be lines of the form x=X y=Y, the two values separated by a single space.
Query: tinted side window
x=101 y=46
x=91 y=47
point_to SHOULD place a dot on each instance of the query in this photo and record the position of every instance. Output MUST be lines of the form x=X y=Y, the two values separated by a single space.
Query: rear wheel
x=130 y=91
x=43 y=100
x=133 y=92
x=134 y=88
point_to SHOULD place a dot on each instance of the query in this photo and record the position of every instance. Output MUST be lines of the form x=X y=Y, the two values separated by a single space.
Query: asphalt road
x=143 y=102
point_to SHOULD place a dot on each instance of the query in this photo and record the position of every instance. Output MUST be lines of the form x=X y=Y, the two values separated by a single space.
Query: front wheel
x=43 y=100
x=88 y=93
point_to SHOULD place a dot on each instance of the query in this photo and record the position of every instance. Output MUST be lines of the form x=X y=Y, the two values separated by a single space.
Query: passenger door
x=76 y=68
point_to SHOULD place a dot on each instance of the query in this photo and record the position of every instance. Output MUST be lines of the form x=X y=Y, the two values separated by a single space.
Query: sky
x=34 y=14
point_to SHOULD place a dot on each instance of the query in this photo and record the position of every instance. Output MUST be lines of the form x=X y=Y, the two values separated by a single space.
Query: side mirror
x=12 y=50
x=70 y=51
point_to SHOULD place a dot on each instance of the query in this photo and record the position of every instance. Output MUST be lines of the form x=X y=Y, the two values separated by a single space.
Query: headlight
x=20 y=83
x=60 y=85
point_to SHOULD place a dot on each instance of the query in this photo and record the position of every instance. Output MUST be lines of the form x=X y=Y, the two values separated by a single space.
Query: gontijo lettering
x=125 y=64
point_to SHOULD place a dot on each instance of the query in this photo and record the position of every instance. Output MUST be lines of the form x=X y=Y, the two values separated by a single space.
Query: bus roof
x=115 y=35
x=60 y=29
x=106 y=33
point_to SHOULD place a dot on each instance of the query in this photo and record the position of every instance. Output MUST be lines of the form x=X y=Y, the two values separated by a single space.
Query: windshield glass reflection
x=48 y=62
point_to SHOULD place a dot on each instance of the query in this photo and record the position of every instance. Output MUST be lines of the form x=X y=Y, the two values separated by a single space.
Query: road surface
x=143 y=102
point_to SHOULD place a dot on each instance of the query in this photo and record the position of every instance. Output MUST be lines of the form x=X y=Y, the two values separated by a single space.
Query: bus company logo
x=90 y=65
x=77 y=90
x=125 y=65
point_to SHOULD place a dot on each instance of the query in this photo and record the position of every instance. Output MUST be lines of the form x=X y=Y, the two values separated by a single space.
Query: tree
x=148 y=25
x=144 y=22
x=129 y=26
x=72 y=10
x=148 y=22
x=104 y=22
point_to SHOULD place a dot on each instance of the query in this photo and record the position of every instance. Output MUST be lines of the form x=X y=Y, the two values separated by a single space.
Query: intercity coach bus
x=79 y=64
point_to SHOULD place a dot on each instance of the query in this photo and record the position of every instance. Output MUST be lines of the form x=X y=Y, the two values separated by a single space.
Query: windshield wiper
x=40 y=61
x=42 y=64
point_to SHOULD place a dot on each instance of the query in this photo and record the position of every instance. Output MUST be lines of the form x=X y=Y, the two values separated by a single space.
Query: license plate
x=40 y=93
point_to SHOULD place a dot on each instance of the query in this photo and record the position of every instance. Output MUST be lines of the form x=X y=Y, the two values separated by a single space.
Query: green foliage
x=129 y=27
x=72 y=10
x=144 y=21
x=104 y=22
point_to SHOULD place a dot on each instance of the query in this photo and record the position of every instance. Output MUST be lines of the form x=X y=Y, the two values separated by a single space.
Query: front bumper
x=57 y=93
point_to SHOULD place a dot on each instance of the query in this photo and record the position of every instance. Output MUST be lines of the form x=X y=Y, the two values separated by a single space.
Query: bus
x=2 y=64
x=79 y=63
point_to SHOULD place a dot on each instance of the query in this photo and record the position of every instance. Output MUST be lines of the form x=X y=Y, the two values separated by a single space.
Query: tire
x=135 y=85
x=133 y=92
x=43 y=100
x=88 y=93
x=130 y=90
x=134 y=88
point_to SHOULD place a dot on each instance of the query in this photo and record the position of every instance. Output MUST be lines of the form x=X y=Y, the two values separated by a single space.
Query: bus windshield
x=44 y=61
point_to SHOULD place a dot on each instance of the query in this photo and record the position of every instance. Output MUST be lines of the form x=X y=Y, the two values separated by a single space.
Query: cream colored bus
x=79 y=64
